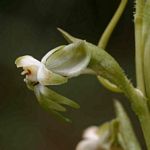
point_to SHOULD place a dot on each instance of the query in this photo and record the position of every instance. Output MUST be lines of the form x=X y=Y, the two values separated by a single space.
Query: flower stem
x=112 y=24
x=140 y=39
x=139 y=51
x=146 y=45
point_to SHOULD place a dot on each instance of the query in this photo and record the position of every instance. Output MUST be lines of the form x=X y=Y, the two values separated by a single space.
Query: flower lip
x=30 y=67
x=91 y=133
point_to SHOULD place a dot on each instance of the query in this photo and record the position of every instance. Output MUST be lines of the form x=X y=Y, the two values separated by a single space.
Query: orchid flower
x=98 y=138
x=112 y=135
x=67 y=61
x=55 y=68
x=91 y=140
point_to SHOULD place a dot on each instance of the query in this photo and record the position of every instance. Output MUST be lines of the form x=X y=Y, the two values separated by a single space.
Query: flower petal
x=69 y=61
x=25 y=61
x=91 y=133
x=46 y=77
x=45 y=101
x=51 y=101
x=59 y=98
x=44 y=59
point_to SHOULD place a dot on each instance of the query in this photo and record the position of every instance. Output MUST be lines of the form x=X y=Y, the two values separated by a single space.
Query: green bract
x=109 y=72
x=109 y=85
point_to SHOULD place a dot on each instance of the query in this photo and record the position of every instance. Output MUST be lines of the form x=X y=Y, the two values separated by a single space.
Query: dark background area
x=29 y=27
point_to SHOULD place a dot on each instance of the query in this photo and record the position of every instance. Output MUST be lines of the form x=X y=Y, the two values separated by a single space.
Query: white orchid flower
x=93 y=140
x=55 y=68
x=105 y=137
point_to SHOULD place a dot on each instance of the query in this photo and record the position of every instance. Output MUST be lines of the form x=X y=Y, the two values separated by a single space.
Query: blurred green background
x=29 y=27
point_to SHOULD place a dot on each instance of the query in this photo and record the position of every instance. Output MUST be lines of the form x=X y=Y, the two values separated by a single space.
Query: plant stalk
x=139 y=50
x=112 y=24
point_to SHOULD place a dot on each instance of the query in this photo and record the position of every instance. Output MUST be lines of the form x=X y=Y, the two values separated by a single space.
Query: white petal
x=91 y=133
x=68 y=61
x=44 y=59
x=46 y=77
x=25 y=61
x=88 y=145
x=24 y=72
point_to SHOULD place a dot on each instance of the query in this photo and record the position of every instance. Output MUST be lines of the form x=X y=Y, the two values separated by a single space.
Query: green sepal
x=69 y=61
x=52 y=101
x=59 y=98
x=46 y=100
x=69 y=38
x=108 y=68
x=61 y=117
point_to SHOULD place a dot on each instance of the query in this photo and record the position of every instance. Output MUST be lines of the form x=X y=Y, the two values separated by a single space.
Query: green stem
x=147 y=68
x=138 y=103
x=105 y=38
x=140 y=39
x=139 y=51
x=140 y=107
x=112 y=24
x=146 y=45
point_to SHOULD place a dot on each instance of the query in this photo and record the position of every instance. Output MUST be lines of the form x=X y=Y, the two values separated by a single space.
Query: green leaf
x=125 y=129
